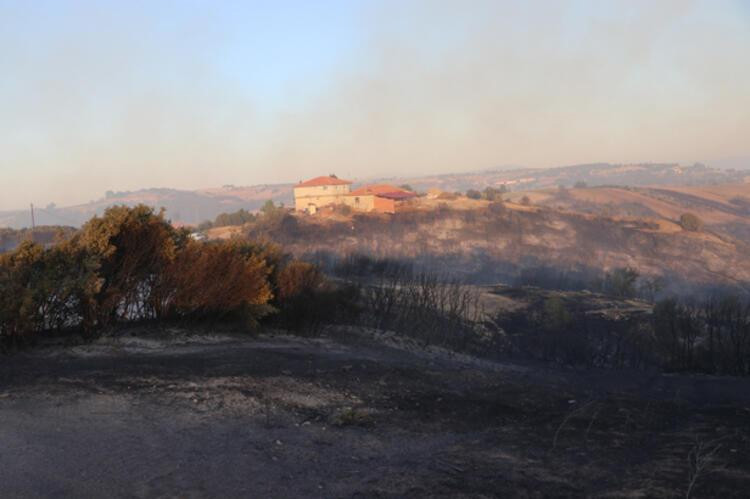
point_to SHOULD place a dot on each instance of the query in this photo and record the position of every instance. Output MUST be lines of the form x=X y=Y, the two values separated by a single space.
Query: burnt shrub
x=307 y=300
x=425 y=307
x=621 y=282
x=566 y=331
x=712 y=335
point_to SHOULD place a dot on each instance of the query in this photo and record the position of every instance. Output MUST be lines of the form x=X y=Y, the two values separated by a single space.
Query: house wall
x=383 y=205
x=321 y=195
x=361 y=203
x=370 y=202
x=325 y=195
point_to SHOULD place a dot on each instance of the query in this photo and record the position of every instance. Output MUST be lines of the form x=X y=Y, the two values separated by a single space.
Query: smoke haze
x=98 y=96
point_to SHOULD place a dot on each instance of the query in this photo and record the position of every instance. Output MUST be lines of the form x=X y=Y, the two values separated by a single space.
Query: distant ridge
x=194 y=207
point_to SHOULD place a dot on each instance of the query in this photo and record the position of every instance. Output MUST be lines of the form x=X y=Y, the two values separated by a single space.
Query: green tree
x=43 y=289
x=133 y=246
x=691 y=222
x=473 y=194
x=492 y=194
x=621 y=282
x=239 y=217
x=555 y=316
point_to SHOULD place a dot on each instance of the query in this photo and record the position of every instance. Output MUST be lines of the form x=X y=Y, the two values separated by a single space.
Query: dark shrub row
x=132 y=265
x=710 y=336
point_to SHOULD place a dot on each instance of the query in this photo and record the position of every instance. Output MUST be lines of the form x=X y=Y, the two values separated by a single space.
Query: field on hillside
x=485 y=242
x=715 y=205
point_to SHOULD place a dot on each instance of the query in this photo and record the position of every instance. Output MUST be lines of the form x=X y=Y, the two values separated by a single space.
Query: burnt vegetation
x=497 y=243
x=131 y=265
x=597 y=329
x=617 y=325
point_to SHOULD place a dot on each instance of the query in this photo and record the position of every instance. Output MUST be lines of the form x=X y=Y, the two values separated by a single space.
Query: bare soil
x=172 y=414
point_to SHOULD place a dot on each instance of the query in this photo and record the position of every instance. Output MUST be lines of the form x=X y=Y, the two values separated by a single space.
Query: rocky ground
x=176 y=414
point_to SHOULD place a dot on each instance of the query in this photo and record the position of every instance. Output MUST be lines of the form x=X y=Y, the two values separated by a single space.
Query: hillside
x=725 y=208
x=44 y=235
x=194 y=207
x=182 y=207
x=597 y=174
x=488 y=243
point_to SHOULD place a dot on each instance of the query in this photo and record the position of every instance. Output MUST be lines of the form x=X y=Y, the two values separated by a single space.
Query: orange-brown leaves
x=129 y=265
x=218 y=279
x=298 y=278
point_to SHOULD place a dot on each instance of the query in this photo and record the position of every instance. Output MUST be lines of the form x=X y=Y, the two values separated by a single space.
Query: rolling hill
x=194 y=207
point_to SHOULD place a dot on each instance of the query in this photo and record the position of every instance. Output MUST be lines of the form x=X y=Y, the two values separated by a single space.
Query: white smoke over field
x=118 y=98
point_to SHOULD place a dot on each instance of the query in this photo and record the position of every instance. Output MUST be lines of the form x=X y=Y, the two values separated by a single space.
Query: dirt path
x=284 y=417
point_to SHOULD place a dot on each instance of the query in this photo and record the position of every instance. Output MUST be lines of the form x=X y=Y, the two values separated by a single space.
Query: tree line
x=242 y=216
x=708 y=334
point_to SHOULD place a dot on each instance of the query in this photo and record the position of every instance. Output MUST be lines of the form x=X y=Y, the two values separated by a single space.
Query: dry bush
x=691 y=222
x=343 y=209
x=218 y=280
x=307 y=300
x=129 y=265
x=299 y=278
x=133 y=248
x=426 y=307
x=702 y=461
x=43 y=290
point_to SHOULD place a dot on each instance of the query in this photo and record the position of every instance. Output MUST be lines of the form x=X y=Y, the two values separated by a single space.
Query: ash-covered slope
x=500 y=243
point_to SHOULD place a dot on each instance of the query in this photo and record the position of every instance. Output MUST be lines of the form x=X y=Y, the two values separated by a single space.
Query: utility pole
x=33 y=222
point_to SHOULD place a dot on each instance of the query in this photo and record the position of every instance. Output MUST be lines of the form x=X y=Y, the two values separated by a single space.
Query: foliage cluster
x=239 y=217
x=42 y=234
x=710 y=336
x=473 y=194
x=131 y=265
x=489 y=193
x=691 y=222
x=269 y=210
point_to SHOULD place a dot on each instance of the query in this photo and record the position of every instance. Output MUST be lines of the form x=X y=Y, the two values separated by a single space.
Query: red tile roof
x=327 y=180
x=397 y=196
x=383 y=190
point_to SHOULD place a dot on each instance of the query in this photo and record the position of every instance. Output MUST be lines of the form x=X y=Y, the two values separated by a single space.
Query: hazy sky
x=128 y=94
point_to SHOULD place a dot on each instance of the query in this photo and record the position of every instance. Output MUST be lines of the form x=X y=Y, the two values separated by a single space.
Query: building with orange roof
x=381 y=198
x=315 y=193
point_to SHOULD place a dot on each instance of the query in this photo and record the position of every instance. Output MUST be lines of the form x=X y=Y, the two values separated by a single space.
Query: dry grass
x=224 y=232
